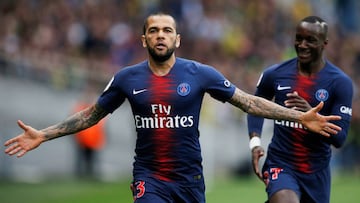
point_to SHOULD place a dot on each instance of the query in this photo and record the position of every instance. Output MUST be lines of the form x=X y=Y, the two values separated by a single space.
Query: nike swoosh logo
x=138 y=91
x=279 y=87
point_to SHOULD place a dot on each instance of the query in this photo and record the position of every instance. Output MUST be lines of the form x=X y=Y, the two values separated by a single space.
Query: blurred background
x=51 y=52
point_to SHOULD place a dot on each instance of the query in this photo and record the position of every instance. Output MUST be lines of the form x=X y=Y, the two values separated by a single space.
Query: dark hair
x=317 y=20
x=155 y=14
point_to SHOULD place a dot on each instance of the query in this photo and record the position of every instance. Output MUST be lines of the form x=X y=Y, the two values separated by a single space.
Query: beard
x=160 y=57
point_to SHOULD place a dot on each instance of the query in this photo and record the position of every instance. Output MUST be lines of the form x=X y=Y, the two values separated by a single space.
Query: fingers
x=256 y=165
x=11 y=141
x=22 y=125
x=20 y=144
x=256 y=168
x=15 y=149
x=334 y=127
x=324 y=133
x=292 y=94
x=259 y=174
x=318 y=107
x=22 y=153
x=332 y=118
x=330 y=129
x=296 y=102
x=257 y=153
x=11 y=148
x=15 y=139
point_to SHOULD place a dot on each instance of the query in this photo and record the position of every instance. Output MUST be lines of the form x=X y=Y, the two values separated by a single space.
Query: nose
x=303 y=43
x=161 y=33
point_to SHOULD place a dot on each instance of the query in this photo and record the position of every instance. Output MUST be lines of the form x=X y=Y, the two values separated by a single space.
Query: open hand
x=318 y=123
x=28 y=140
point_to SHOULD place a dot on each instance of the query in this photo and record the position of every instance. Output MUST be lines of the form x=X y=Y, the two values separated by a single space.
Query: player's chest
x=178 y=91
x=313 y=89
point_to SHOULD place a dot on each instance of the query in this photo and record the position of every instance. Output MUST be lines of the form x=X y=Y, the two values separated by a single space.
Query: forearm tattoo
x=261 y=107
x=75 y=123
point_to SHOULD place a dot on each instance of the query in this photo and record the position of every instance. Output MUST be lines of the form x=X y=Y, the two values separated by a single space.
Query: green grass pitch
x=345 y=189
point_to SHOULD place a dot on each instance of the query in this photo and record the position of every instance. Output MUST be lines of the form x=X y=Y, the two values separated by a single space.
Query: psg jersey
x=166 y=114
x=292 y=145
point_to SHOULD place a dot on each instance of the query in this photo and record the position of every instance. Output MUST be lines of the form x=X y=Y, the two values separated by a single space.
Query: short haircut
x=319 y=21
x=155 y=14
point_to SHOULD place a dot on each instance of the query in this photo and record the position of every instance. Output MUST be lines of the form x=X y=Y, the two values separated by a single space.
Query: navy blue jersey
x=166 y=113
x=292 y=145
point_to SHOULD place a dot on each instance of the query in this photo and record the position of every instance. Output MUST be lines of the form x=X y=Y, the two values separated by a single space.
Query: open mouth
x=160 y=46
x=304 y=54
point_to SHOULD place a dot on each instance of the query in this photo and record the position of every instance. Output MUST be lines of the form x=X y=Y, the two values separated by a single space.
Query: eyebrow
x=157 y=27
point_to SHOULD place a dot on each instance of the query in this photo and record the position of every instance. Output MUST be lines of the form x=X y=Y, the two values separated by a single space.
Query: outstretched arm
x=32 y=138
x=311 y=119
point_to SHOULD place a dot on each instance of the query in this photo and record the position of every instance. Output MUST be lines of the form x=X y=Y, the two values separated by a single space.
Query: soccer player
x=296 y=168
x=165 y=93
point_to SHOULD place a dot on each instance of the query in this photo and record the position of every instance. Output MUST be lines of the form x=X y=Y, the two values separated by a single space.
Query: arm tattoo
x=75 y=123
x=261 y=107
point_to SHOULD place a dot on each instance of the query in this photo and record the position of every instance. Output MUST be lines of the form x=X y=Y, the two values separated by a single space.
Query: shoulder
x=338 y=80
x=335 y=73
x=194 y=67
x=284 y=66
x=191 y=63
x=132 y=70
x=283 y=69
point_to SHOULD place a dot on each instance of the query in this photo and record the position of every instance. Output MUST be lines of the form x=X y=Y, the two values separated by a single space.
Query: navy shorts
x=310 y=188
x=157 y=191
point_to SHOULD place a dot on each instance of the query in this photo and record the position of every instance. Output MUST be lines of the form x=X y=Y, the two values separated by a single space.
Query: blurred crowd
x=67 y=42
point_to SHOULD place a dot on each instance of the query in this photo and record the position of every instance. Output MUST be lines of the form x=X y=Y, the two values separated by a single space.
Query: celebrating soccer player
x=297 y=167
x=165 y=93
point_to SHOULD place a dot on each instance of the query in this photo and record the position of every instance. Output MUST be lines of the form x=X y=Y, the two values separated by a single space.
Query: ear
x=326 y=42
x=143 y=40
x=177 y=42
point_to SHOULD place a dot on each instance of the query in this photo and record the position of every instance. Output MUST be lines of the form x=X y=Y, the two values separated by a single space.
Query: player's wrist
x=254 y=142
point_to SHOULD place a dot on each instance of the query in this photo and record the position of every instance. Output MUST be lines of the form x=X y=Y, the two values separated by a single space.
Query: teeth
x=304 y=52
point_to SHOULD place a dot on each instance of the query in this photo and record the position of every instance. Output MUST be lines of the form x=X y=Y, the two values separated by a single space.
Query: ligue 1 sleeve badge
x=183 y=89
x=322 y=95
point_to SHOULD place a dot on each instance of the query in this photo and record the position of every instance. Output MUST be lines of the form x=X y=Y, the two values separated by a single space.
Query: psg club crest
x=322 y=95
x=183 y=89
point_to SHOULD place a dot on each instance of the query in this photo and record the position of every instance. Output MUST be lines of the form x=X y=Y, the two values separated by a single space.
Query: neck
x=161 y=68
x=311 y=68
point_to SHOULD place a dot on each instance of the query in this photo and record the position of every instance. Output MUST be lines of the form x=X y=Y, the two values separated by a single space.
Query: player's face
x=160 y=37
x=309 y=43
